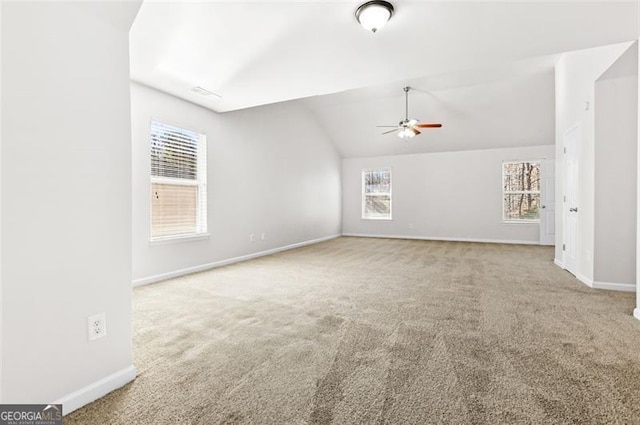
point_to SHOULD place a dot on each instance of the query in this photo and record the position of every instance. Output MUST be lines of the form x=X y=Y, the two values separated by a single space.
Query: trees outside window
x=376 y=194
x=521 y=191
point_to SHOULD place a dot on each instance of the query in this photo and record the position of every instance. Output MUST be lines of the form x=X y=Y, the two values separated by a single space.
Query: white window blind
x=376 y=194
x=178 y=182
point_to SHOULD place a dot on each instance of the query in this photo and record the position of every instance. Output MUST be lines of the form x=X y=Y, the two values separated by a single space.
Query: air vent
x=203 y=92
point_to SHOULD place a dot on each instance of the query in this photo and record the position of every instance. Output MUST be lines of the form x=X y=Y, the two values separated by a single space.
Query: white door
x=572 y=141
x=548 y=202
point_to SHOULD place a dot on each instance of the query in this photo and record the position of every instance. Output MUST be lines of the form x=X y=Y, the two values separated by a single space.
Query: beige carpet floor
x=372 y=331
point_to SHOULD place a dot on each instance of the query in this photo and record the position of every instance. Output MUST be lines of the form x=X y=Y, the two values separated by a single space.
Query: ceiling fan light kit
x=373 y=15
x=408 y=128
x=406 y=133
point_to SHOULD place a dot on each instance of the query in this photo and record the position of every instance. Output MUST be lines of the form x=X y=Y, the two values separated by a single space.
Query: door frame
x=547 y=164
x=570 y=266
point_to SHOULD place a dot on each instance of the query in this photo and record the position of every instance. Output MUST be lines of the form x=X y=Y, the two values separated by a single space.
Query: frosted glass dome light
x=373 y=15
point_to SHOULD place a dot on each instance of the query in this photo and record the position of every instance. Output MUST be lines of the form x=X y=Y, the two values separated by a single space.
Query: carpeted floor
x=368 y=331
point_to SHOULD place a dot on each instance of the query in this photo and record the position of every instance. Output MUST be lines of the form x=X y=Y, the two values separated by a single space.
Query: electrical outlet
x=263 y=236
x=97 y=325
x=252 y=238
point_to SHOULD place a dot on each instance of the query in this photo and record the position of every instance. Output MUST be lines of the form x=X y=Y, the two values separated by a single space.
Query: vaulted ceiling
x=485 y=69
x=493 y=107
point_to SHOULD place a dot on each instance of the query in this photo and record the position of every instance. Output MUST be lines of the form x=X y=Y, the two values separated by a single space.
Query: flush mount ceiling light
x=372 y=15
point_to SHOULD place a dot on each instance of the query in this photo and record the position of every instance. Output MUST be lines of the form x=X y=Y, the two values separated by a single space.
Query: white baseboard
x=586 y=280
x=609 y=286
x=625 y=287
x=203 y=267
x=436 y=238
x=95 y=390
x=558 y=263
x=636 y=313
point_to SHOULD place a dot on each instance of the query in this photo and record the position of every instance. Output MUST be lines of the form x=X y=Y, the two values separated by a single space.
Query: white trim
x=174 y=181
x=509 y=222
x=558 y=263
x=636 y=313
x=95 y=390
x=164 y=240
x=624 y=287
x=608 y=286
x=203 y=267
x=587 y=281
x=437 y=238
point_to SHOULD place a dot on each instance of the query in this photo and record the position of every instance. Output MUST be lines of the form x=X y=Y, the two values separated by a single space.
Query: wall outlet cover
x=97 y=326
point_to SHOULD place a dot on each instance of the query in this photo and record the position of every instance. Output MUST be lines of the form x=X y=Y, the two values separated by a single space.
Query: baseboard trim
x=558 y=263
x=587 y=281
x=609 y=286
x=177 y=273
x=636 y=313
x=95 y=390
x=435 y=238
x=624 y=287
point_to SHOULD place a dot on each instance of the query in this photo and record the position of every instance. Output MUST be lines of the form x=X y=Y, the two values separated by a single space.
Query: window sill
x=177 y=239
x=520 y=221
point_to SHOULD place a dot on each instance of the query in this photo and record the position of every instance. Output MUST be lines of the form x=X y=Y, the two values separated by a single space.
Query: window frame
x=363 y=200
x=200 y=182
x=516 y=192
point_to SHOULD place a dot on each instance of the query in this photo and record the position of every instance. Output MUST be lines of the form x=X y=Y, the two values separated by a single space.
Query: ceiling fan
x=408 y=128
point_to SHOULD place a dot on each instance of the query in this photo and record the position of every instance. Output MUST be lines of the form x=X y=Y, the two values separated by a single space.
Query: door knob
x=573 y=209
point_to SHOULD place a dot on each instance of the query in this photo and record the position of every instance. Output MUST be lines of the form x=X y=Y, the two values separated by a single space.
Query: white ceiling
x=483 y=69
x=254 y=53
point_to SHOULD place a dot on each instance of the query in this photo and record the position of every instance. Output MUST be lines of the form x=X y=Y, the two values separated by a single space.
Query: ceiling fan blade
x=415 y=130
x=429 y=125
x=391 y=131
x=381 y=126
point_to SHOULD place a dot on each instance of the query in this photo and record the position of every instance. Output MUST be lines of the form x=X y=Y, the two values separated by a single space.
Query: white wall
x=636 y=311
x=271 y=170
x=576 y=73
x=66 y=196
x=616 y=139
x=1 y=303
x=456 y=195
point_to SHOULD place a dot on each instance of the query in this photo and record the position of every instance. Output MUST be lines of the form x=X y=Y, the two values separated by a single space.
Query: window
x=376 y=194
x=178 y=182
x=521 y=191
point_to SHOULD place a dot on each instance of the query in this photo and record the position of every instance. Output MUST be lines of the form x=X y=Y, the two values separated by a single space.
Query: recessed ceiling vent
x=204 y=92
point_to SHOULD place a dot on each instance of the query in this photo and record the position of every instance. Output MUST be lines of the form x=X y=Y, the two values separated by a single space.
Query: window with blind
x=376 y=194
x=521 y=191
x=178 y=182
